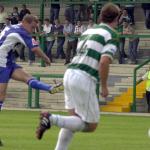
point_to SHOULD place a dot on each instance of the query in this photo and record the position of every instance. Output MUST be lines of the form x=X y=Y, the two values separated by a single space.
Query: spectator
x=3 y=16
x=90 y=24
x=76 y=12
x=130 y=11
x=82 y=12
x=123 y=18
x=79 y=28
x=146 y=9
x=23 y=12
x=39 y=26
x=7 y=22
x=89 y=10
x=70 y=13
x=133 y=42
x=58 y=32
x=48 y=29
x=54 y=11
x=133 y=45
x=71 y=42
x=15 y=16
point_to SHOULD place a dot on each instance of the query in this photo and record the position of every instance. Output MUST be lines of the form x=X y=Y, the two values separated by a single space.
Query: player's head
x=110 y=14
x=30 y=23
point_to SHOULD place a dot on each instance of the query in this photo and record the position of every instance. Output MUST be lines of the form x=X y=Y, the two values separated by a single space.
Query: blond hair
x=30 y=18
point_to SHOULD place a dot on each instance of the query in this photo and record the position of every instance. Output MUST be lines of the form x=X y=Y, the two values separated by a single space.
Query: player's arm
x=104 y=71
x=144 y=77
x=34 y=46
x=41 y=54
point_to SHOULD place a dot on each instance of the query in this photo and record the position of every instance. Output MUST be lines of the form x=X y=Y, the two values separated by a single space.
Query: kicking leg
x=21 y=75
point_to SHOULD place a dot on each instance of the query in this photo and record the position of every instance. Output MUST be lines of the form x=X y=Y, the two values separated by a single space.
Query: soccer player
x=9 y=37
x=8 y=68
x=95 y=51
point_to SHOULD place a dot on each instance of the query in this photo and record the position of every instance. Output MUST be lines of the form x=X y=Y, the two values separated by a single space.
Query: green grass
x=17 y=130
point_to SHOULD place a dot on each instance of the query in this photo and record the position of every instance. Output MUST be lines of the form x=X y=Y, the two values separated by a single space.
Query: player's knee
x=91 y=127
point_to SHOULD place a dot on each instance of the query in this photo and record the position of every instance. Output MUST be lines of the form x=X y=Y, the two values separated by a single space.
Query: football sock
x=1 y=104
x=36 y=84
x=72 y=123
x=64 y=139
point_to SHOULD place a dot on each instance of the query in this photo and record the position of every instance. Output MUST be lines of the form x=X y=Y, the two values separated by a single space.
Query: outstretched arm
x=41 y=54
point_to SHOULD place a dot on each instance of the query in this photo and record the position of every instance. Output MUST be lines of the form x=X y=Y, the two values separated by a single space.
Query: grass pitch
x=17 y=131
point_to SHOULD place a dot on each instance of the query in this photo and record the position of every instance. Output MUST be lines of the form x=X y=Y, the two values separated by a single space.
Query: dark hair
x=109 y=12
x=91 y=19
x=67 y=19
x=16 y=8
x=2 y=7
x=46 y=19
x=24 y=5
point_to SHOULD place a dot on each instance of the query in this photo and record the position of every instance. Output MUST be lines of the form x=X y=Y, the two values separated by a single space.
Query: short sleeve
x=110 y=47
x=30 y=41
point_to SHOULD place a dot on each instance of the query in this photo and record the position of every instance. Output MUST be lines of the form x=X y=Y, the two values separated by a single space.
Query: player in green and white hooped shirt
x=95 y=52
x=93 y=44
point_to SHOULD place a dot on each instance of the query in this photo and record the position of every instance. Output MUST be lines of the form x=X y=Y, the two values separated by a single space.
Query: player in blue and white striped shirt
x=20 y=33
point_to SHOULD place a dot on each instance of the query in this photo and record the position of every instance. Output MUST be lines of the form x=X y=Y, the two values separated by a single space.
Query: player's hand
x=104 y=91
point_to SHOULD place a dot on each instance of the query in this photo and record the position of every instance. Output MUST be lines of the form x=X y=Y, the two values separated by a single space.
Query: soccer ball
x=149 y=133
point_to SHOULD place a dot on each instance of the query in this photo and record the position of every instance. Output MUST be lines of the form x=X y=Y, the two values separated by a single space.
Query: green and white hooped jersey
x=93 y=44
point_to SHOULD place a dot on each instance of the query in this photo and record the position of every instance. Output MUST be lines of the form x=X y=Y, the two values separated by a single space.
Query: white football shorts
x=80 y=95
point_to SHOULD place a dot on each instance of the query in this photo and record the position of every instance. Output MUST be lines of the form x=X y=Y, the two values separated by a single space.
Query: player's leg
x=64 y=138
x=3 y=87
x=20 y=75
x=73 y=123
x=4 y=79
x=84 y=100
x=5 y=73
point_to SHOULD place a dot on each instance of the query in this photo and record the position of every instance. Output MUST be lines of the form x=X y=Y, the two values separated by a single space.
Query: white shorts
x=80 y=95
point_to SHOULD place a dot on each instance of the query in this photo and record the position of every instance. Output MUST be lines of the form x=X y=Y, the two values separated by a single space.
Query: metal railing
x=37 y=92
x=36 y=99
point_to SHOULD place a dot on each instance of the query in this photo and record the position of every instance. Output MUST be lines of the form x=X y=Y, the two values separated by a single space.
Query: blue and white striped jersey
x=8 y=39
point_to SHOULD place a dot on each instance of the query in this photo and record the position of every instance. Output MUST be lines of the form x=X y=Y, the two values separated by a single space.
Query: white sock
x=64 y=139
x=72 y=123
